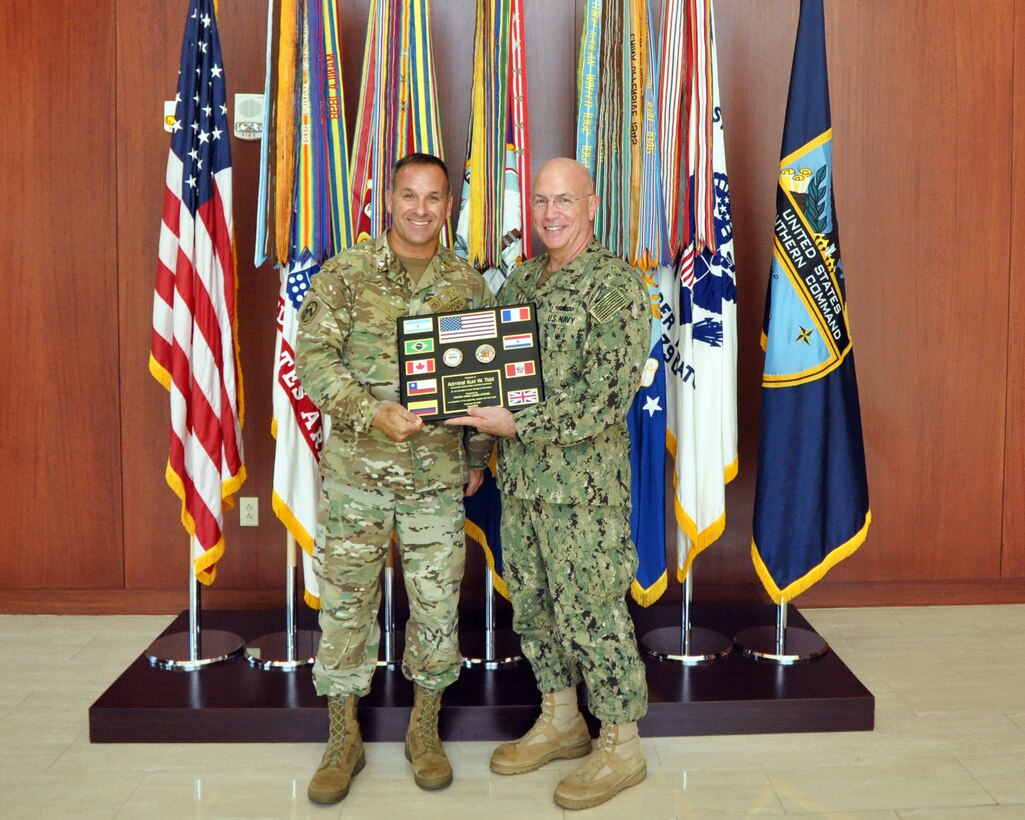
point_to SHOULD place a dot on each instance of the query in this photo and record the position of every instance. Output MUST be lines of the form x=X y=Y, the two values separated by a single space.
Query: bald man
x=565 y=479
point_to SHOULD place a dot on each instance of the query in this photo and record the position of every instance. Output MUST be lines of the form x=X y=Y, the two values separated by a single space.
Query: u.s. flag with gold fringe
x=193 y=351
x=811 y=498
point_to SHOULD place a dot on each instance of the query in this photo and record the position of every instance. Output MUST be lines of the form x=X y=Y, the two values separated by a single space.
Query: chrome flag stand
x=393 y=640
x=293 y=648
x=686 y=644
x=781 y=644
x=501 y=646
x=184 y=651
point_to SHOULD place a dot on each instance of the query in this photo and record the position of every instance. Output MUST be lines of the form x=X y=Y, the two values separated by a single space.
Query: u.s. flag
x=466 y=326
x=811 y=496
x=193 y=350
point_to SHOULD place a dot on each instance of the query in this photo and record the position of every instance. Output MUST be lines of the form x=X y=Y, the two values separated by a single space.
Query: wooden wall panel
x=927 y=173
x=1013 y=564
x=922 y=110
x=915 y=106
x=59 y=457
x=156 y=546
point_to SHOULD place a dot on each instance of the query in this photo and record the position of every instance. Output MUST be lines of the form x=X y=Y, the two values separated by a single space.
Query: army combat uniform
x=565 y=481
x=347 y=359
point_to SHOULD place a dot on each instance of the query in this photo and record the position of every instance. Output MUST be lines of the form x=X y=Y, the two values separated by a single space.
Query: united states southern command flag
x=811 y=498
x=193 y=353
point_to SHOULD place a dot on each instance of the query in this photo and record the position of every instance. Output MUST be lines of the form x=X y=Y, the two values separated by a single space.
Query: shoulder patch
x=309 y=311
x=608 y=304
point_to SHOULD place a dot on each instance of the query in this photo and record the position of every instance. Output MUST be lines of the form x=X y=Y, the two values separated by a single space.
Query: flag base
x=760 y=643
x=672 y=644
x=175 y=653
x=276 y=652
x=490 y=649
x=235 y=703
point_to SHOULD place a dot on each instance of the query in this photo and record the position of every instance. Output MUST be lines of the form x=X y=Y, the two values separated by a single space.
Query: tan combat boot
x=431 y=769
x=617 y=764
x=343 y=758
x=559 y=732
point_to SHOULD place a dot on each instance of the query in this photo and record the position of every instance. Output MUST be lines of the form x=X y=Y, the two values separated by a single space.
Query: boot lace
x=339 y=732
x=427 y=722
x=601 y=751
x=544 y=720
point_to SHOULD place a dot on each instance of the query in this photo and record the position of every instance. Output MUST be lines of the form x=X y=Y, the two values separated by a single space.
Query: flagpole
x=780 y=643
x=686 y=644
x=183 y=651
x=293 y=648
x=392 y=655
x=501 y=646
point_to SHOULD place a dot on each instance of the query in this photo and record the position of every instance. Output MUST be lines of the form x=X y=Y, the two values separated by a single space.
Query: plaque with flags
x=449 y=362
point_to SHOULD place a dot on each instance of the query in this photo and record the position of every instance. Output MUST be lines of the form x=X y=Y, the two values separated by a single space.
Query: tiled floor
x=949 y=741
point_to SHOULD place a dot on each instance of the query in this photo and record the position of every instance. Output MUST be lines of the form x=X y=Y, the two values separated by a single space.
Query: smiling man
x=564 y=473
x=382 y=468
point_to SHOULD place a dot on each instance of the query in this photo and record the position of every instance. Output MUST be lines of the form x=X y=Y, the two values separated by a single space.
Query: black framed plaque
x=488 y=357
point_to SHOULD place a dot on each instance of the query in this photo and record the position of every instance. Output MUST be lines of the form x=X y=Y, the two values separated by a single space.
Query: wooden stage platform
x=234 y=702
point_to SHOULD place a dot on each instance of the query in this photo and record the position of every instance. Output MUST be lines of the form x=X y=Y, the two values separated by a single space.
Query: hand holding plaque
x=449 y=362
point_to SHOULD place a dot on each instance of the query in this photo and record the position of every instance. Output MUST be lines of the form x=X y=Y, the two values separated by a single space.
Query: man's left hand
x=495 y=421
x=474 y=481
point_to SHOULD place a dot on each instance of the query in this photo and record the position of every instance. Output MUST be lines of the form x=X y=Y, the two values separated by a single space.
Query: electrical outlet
x=249 y=512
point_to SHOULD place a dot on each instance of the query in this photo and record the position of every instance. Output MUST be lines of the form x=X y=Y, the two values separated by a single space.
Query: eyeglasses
x=560 y=203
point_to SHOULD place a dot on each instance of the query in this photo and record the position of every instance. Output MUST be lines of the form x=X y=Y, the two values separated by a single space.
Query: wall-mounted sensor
x=249 y=116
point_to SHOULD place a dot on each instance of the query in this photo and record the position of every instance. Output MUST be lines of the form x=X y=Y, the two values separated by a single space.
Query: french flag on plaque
x=515 y=314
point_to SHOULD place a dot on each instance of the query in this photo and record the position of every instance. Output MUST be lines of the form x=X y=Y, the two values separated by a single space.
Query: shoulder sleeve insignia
x=608 y=304
x=309 y=311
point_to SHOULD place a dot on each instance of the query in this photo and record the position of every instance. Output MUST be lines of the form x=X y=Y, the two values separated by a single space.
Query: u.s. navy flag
x=193 y=350
x=811 y=499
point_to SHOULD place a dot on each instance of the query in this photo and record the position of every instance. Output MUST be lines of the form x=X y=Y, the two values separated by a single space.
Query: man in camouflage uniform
x=384 y=469
x=564 y=472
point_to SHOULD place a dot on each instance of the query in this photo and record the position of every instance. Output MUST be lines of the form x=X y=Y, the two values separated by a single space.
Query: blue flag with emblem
x=811 y=498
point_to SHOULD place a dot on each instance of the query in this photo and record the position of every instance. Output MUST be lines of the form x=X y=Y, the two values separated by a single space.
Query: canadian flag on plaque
x=418 y=366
